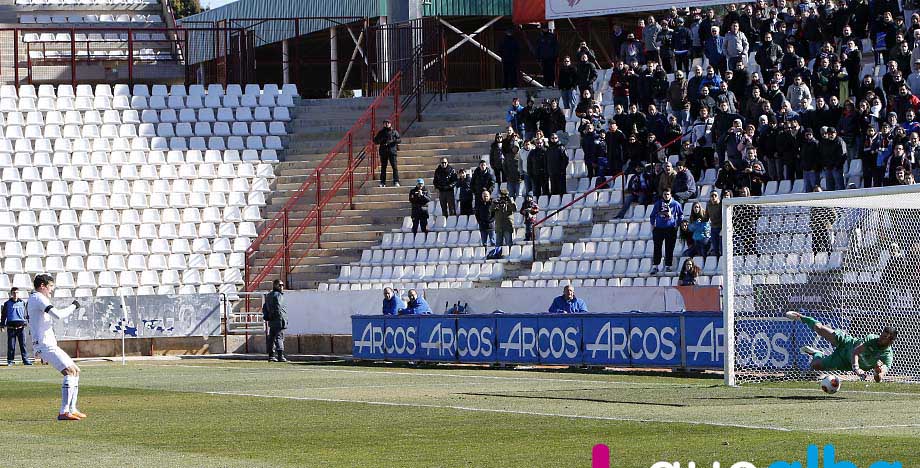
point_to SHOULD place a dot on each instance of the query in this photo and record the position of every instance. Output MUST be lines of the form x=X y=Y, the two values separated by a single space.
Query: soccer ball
x=830 y=384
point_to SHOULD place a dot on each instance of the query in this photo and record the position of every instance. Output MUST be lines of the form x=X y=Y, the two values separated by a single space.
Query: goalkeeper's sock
x=810 y=322
x=73 y=395
x=68 y=389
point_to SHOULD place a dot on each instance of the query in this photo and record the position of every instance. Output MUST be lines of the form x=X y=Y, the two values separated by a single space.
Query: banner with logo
x=556 y=9
x=107 y=317
x=671 y=340
x=330 y=312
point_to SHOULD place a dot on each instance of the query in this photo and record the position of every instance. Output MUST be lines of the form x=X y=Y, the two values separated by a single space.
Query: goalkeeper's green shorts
x=841 y=358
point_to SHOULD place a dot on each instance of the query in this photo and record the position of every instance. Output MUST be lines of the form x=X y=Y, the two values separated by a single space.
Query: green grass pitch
x=205 y=413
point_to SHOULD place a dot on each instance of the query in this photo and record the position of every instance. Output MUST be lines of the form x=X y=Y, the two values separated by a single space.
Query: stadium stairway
x=453 y=128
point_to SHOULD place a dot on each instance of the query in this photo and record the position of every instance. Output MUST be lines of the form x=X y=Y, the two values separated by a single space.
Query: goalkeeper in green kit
x=860 y=355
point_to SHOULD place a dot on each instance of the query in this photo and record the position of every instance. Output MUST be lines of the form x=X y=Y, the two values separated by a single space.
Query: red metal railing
x=607 y=183
x=358 y=147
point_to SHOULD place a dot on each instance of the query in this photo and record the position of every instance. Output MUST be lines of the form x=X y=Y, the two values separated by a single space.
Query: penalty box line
x=501 y=411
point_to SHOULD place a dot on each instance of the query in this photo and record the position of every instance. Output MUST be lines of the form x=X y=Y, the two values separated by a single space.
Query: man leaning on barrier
x=567 y=303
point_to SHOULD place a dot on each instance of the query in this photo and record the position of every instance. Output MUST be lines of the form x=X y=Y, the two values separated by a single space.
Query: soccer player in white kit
x=41 y=319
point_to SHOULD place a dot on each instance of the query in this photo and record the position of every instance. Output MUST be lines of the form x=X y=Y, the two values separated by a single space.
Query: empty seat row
x=111 y=279
x=118 y=263
x=77 y=3
x=137 y=110
x=94 y=37
x=373 y=257
x=120 y=201
x=142 y=90
x=81 y=19
x=806 y=261
x=608 y=282
x=464 y=272
x=136 y=217
x=166 y=129
x=396 y=240
x=146 y=231
x=140 y=54
x=91 y=116
x=460 y=223
x=141 y=143
x=77 y=249
x=182 y=178
x=240 y=186
x=209 y=164
x=19 y=169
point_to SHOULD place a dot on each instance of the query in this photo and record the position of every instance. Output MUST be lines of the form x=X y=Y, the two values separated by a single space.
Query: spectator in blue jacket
x=417 y=305
x=665 y=218
x=513 y=117
x=14 y=319
x=567 y=303
x=392 y=303
x=714 y=49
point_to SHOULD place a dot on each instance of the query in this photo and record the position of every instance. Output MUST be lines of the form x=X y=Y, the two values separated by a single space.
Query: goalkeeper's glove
x=859 y=372
x=76 y=304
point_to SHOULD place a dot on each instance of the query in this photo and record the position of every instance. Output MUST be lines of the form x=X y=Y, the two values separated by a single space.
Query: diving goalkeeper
x=860 y=355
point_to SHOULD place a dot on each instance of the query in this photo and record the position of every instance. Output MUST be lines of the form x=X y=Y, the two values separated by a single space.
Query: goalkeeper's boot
x=809 y=350
x=793 y=315
x=68 y=417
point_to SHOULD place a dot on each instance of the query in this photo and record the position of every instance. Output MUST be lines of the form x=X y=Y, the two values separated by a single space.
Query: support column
x=285 y=66
x=333 y=64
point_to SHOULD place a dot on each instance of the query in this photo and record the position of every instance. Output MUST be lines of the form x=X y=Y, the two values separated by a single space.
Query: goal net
x=850 y=258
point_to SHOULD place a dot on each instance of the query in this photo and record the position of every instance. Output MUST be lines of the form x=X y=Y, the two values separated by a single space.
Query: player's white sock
x=73 y=394
x=68 y=389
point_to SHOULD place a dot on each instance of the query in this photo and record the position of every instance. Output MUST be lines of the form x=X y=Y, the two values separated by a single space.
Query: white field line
x=255 y=370
x=435 y=374
x=503 y=411
x=852 y=428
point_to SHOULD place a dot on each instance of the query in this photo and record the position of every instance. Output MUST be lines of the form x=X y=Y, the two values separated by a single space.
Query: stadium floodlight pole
x=870 y=198
x=124 y=327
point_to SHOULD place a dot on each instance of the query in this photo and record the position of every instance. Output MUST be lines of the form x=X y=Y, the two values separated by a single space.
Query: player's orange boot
x=68 y=417
x=78 y=414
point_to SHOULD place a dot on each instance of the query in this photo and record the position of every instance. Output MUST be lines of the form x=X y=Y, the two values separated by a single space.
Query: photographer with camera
x=419 y=198
x=503 y=210
x=529 y=210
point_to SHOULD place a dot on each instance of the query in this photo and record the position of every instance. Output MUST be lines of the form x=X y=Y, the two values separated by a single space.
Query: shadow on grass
x=775 y=397
x=560 y=398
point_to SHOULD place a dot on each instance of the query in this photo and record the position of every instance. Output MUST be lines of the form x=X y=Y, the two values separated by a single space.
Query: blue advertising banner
x=626 y=339
x=401 y=337
x=476 y=340
x=606 y=341
x=517 y=338
x=438 y=339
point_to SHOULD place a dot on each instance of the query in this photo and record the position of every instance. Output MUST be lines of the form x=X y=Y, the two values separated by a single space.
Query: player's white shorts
x=55 y=356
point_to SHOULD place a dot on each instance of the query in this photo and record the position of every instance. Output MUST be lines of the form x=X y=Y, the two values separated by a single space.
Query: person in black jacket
x=586 y=73
x=833 y=155
x=510 y=53
x=465 y=193
x=616 y=147
x=485 y=218
x=552 y=119
x=388 y=138
x=547 y=52
x=445 y=179
x=536 y=168
x=274 y=312
x=556 y=163
x=810 y=160
x=483 y=179
x=568 y=83
x=419 y=199
x=530 y=116
x=496 y=156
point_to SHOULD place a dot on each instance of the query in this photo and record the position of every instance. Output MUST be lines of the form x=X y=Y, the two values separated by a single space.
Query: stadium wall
x=329 y=312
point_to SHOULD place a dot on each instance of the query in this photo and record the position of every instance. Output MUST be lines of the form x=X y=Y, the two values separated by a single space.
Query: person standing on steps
x=419 y=198
x=274 y=312
x=445 y=179
x=388 y=139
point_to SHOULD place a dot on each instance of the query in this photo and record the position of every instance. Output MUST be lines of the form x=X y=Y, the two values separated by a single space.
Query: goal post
x=850 y=259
